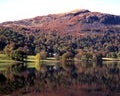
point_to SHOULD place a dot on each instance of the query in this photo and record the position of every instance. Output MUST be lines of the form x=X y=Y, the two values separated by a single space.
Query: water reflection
x=80 y=77
x=37 y=65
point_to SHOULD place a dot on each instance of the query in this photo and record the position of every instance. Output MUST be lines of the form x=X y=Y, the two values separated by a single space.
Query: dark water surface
x=61 y=79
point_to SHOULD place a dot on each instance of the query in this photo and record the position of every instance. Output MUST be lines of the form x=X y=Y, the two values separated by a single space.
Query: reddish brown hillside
x=75 y=21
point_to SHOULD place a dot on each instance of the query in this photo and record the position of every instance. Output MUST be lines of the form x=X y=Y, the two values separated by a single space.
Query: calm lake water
x=61 y=79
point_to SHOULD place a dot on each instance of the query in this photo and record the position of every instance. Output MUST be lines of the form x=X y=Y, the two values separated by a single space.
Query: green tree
x=112 y=55
x=9 y=48
x=18 y=55
x=88 y=56
x=67 y=61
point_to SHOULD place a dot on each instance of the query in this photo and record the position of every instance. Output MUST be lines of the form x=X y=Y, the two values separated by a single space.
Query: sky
x=11 y=10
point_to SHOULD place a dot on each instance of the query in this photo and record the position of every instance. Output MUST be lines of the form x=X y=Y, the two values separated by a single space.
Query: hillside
x=60 y=30
x=74 y=21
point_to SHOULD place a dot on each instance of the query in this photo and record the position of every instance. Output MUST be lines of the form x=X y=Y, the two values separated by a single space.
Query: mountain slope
x=74 y=21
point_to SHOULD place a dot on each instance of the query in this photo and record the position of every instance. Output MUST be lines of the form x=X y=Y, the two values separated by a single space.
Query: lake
x=61 y=79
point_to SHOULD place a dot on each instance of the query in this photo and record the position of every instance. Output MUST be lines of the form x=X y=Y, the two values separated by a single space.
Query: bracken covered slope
x=75 y=21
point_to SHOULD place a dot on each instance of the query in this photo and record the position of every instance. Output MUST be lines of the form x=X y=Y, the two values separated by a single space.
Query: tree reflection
x=89 y=78
x=37 y=65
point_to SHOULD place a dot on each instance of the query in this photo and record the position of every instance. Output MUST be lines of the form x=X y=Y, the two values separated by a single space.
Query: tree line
x=106 y=42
